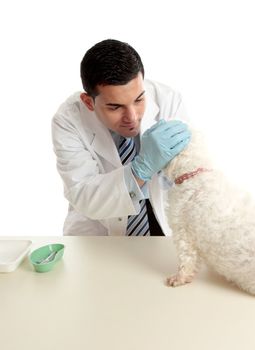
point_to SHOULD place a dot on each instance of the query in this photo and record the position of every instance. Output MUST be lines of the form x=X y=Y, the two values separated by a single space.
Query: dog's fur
x=211 y=220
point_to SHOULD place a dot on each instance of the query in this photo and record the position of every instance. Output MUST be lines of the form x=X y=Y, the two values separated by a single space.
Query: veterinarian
x=112 y=141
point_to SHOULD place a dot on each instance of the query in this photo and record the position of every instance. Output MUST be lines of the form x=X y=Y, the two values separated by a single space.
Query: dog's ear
x=182 y=160
x=170 y=167
x=194 y=155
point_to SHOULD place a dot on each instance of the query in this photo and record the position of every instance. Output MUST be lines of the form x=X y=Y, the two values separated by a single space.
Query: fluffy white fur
x=212 y=221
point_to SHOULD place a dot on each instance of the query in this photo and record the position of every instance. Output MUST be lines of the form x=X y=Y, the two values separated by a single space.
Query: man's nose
x=130 y=114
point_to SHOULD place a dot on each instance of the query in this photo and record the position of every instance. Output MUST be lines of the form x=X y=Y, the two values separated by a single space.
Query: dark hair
x=109 y=62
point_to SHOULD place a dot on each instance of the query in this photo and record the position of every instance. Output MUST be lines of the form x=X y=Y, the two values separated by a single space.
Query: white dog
x=211 y=220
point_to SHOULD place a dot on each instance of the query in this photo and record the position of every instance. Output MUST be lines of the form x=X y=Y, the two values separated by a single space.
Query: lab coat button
x=132 y=194
x=120 y=219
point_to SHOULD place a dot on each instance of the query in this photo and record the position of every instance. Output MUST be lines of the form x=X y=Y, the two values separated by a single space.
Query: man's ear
x=87 y=100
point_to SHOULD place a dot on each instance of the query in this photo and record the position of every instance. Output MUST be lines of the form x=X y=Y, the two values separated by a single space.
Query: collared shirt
x=136 y=193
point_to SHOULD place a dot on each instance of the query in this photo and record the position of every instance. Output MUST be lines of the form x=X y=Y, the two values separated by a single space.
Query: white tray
x=12 y=252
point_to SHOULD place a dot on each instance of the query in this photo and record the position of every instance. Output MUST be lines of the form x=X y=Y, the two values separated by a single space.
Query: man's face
x=119 y=107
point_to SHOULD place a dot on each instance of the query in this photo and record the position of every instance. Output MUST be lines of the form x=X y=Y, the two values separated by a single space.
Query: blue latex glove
x=159 y=145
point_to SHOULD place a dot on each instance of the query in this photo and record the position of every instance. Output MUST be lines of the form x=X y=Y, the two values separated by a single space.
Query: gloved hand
x=159 y=145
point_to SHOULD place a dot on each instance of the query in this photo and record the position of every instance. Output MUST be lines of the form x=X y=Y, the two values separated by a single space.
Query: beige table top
x=109 y=293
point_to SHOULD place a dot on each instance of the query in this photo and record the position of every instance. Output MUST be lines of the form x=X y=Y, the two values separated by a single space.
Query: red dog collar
x=186 y=176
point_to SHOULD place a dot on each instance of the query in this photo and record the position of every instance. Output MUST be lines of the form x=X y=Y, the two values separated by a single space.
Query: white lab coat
x=90 y=166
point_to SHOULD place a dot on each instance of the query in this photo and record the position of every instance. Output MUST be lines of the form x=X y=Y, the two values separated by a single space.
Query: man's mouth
x=130 y=126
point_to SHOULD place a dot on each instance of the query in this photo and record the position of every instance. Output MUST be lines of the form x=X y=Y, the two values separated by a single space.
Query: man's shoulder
x=153 y=85
x=160 y=92
x=168 y=100
x=71 y=109
x=71 y=103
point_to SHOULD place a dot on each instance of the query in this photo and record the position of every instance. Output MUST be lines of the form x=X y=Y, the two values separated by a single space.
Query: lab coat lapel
x=104 y=146
x=102 y=141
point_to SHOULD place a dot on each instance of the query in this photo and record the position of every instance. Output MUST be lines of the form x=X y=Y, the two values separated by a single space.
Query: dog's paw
x=178 y=280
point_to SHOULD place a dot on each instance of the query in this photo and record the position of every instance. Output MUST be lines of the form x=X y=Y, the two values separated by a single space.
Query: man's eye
x=114 y=108
x=139 y=100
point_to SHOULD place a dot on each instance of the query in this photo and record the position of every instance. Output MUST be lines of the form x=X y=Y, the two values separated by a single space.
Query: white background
x=204 y=49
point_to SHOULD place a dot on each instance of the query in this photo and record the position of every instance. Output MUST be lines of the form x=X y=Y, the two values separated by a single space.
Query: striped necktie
x=138 y=225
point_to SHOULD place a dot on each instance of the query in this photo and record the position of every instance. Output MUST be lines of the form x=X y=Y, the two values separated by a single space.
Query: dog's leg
x=189 y=261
